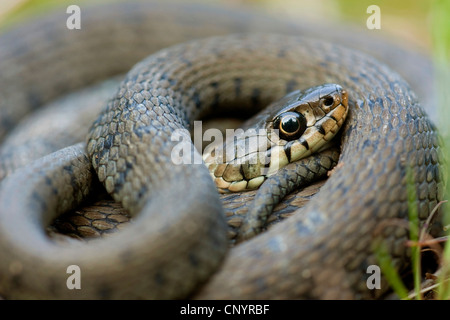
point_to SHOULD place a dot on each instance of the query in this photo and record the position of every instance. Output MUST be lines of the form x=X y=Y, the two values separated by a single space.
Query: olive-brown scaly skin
x=178 y=241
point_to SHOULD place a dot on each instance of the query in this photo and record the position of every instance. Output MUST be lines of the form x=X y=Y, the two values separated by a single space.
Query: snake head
x=296 y=126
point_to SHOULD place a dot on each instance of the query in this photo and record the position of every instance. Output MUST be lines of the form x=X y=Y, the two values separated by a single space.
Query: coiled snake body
x=177 y=244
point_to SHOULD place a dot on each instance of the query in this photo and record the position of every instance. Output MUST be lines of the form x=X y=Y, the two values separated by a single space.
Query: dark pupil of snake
x=289 y=124
x=292 y=125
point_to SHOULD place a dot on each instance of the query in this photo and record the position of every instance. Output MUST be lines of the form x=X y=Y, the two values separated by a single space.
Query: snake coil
x=177 y=245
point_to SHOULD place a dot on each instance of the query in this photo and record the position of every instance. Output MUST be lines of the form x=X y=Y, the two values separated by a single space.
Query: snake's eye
x=328 y=101
x=291 y=125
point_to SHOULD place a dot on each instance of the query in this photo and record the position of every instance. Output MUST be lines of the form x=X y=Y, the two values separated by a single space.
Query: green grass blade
x=390 y=272
x=413 y=215
x=440 y=30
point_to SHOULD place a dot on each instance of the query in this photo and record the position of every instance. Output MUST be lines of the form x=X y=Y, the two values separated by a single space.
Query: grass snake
x=177 y=246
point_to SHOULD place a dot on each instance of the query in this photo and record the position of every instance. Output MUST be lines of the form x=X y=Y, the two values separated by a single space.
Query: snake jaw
x=317 y=113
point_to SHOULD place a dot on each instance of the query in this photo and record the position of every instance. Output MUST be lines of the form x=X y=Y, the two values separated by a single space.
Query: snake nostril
x=328 y=101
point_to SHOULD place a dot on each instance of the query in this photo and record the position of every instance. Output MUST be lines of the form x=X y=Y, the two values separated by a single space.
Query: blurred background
x=404 y=19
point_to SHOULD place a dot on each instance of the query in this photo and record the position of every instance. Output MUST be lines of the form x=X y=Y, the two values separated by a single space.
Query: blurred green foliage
x=441 y=58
